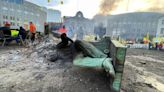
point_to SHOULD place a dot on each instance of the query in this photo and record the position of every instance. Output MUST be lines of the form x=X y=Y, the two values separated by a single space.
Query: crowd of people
x=7 y=30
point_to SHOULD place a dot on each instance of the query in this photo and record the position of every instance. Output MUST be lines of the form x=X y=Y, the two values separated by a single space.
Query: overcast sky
x=92 y=7
x=70 y=7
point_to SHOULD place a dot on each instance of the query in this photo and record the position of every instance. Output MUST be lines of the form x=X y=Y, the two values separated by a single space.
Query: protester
x=160 y=46
x=33 y=31
x=7 y=24
x=6 y=29
x=22 y=32
x=63 y=30
x=64 y=41
x=46 y=29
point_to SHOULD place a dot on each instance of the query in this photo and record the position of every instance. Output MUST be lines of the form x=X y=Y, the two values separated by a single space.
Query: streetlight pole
x=127 y=8
x=77 y=5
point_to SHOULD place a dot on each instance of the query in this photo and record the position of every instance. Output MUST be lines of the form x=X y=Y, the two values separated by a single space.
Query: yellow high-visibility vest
x=14 y=33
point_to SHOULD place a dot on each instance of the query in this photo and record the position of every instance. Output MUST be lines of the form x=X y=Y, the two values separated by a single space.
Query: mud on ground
x=30 y=70
x=144 y=71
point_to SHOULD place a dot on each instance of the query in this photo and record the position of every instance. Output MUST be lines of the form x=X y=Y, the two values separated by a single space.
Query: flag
x=49 y=1
x=148 y=36
x=61 y=2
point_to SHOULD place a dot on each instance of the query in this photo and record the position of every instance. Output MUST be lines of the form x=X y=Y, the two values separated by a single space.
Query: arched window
x=79 y=14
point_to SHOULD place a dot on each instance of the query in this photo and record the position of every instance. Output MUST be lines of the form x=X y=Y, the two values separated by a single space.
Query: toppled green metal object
x=99 y=63
x=89 y=50
x=106 y=54
x=118 y=54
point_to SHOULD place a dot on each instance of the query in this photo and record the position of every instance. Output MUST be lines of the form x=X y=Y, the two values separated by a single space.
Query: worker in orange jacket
x=33 y=31
x=7 y=24
x=63 y=30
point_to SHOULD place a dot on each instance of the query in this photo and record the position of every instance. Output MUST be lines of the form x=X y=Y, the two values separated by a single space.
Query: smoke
x=123 y=6
x=107 y=6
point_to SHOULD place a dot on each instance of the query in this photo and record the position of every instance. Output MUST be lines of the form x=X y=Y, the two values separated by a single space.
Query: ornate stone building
x=79 y=26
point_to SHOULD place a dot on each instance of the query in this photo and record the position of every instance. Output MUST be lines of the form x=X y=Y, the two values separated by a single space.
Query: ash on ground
x=42 y=68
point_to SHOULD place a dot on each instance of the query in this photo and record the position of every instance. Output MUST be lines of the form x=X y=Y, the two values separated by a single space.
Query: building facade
x=160 y=30
x=134 y=26
x=53 y=16
x=20 y=13
x=79 y=26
